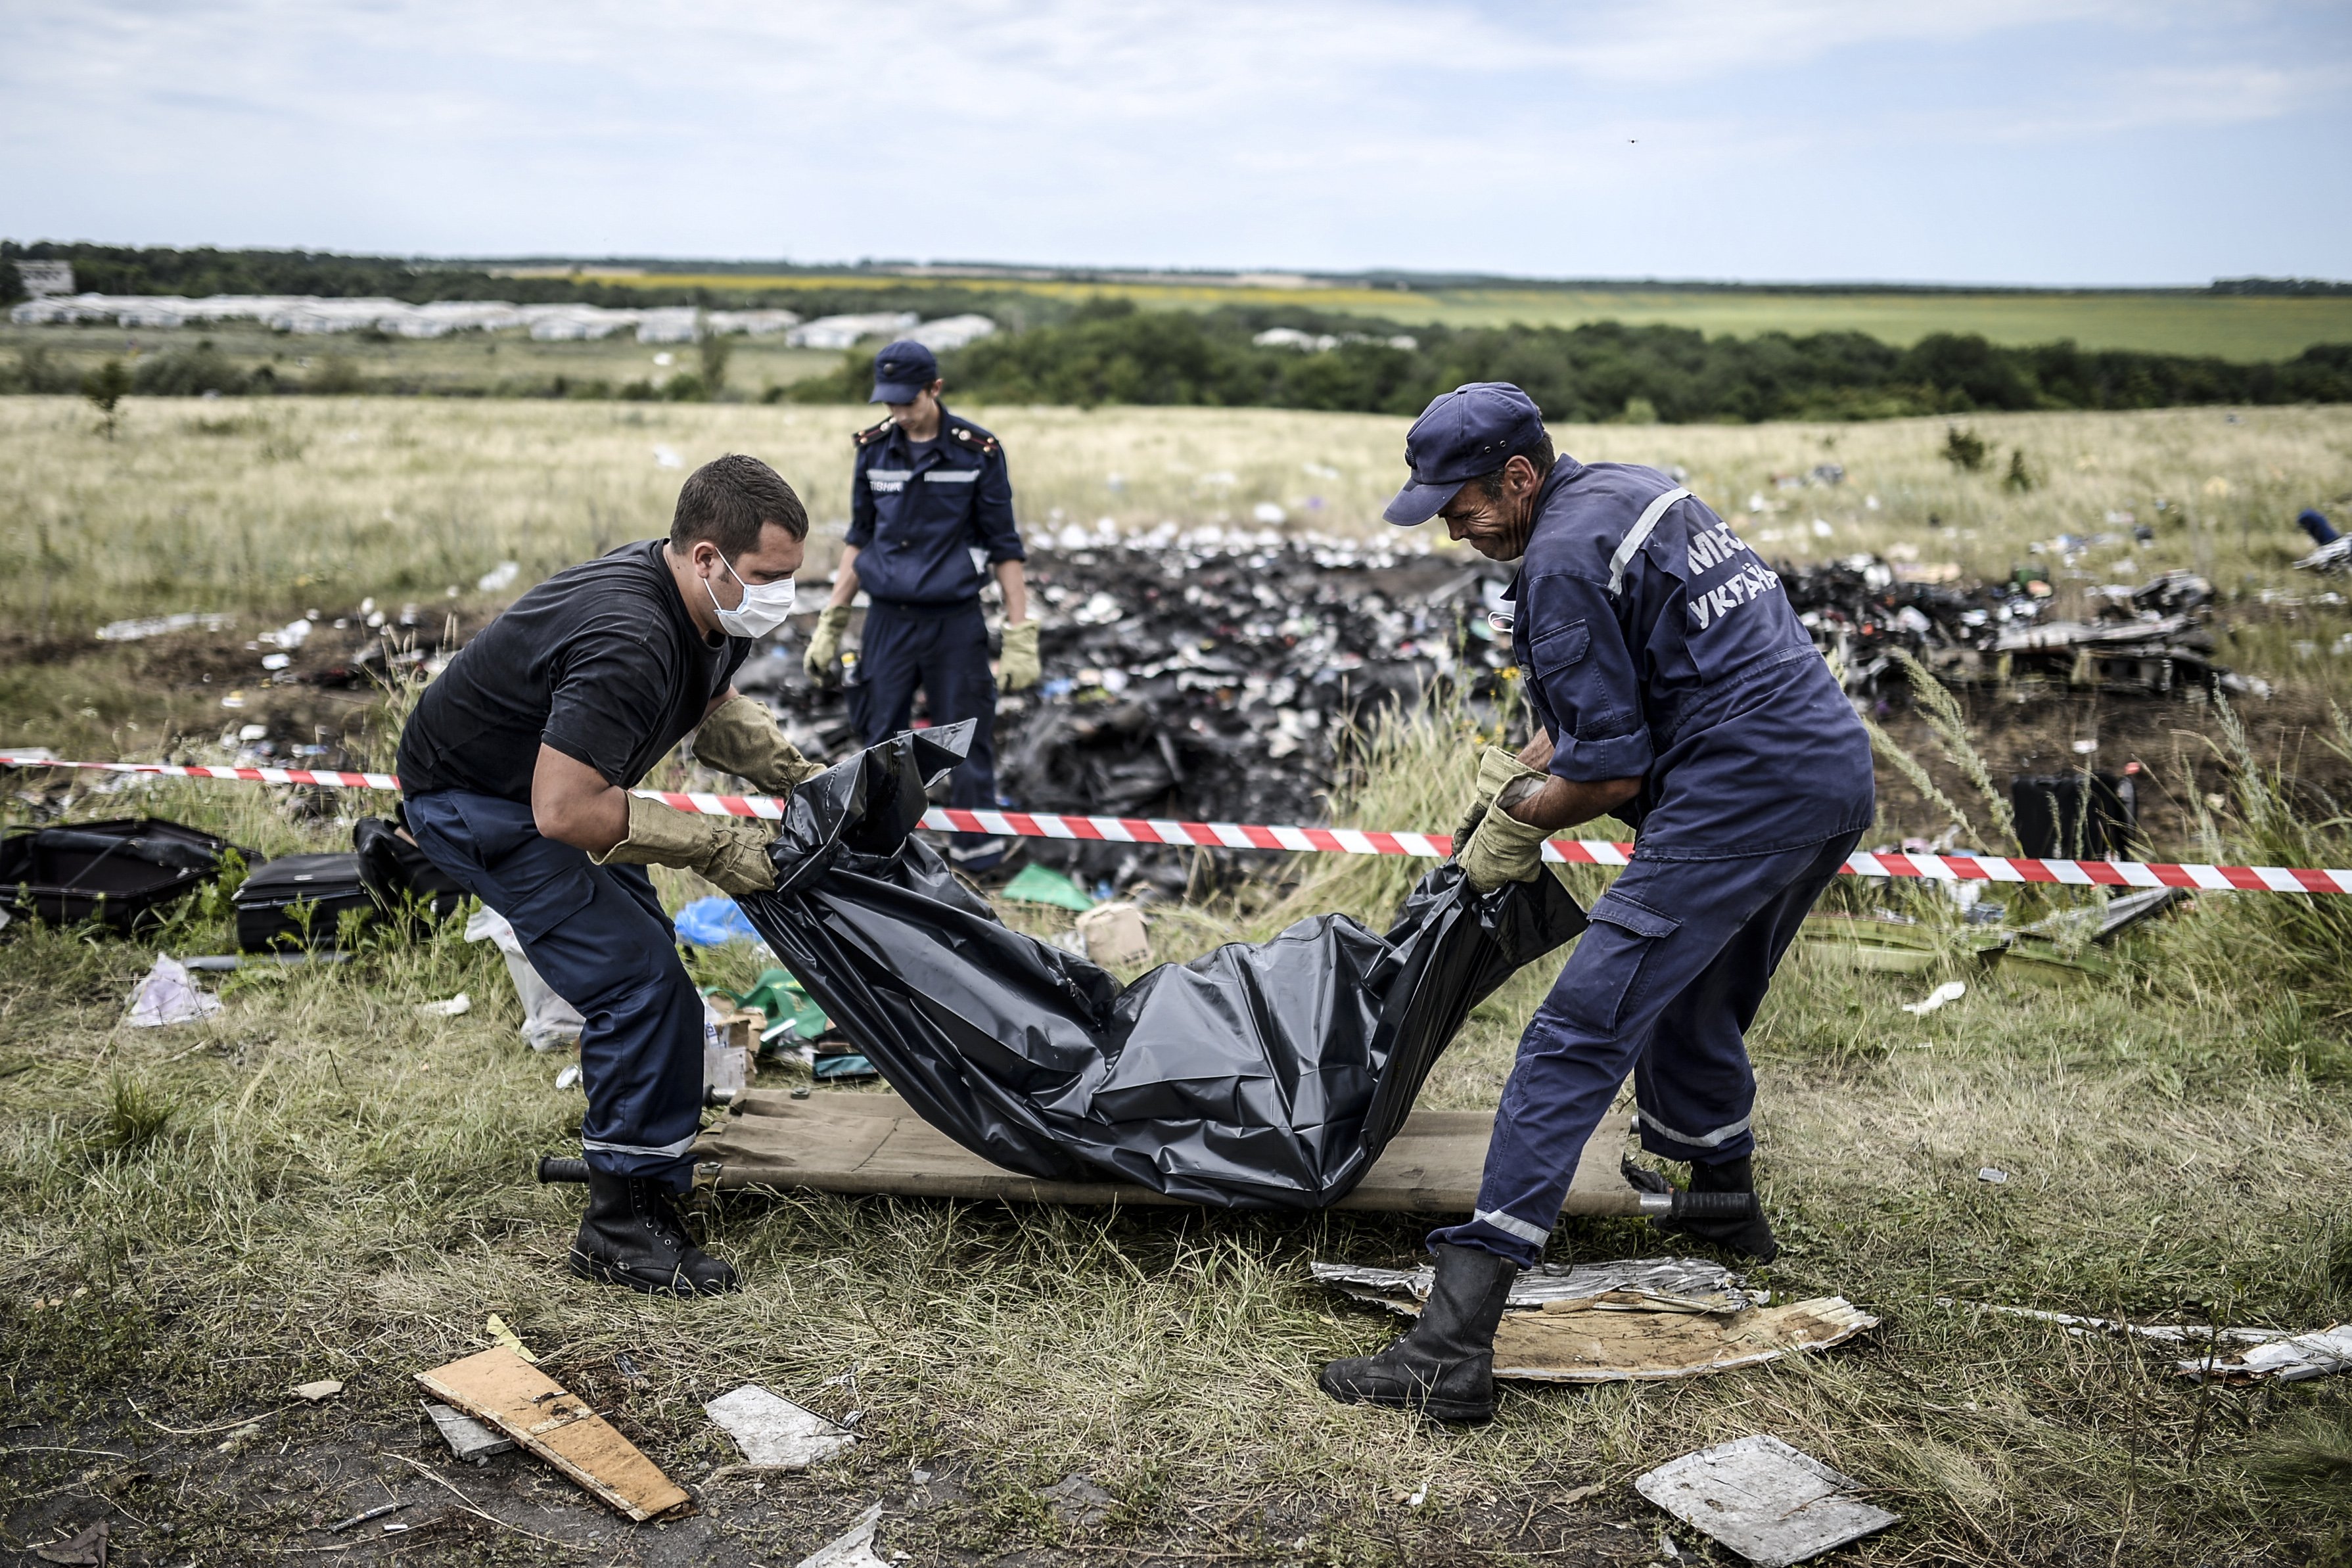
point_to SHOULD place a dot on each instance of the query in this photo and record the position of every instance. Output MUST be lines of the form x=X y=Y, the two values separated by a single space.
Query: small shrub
x=335 y=376
x=1964 y=449
x=106 y=387
x=2019 y=479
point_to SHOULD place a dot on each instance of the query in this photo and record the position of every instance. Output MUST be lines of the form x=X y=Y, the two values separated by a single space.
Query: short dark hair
x=1537 y=449
x=727 y=500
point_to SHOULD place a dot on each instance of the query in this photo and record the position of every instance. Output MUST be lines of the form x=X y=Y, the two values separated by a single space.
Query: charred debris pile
x=1208 y=681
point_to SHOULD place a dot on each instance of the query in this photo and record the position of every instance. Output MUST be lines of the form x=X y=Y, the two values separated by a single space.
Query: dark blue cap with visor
x=902 y=370
x=1469 y=431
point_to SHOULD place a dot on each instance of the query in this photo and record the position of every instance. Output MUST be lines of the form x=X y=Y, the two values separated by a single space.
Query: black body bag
x=1258 y=1077
x=124 y=872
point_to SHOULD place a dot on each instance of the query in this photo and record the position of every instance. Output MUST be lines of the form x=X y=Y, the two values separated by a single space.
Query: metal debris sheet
x=1766 y=1500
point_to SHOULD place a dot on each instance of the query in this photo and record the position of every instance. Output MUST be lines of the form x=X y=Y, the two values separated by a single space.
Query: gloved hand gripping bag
x=1265 y=1075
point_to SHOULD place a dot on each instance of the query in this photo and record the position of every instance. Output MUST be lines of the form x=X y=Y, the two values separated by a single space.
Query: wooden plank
x=862 y=1143
x=500 y=1389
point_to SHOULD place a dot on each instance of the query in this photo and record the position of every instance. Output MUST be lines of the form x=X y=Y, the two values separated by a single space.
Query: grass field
x=2228 y=326
x=320 y=1182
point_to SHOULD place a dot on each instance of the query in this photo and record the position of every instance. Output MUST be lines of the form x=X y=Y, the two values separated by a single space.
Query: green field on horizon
x=2228 y=326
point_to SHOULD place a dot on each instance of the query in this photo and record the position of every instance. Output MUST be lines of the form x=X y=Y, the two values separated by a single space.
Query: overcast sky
x=1995 y=141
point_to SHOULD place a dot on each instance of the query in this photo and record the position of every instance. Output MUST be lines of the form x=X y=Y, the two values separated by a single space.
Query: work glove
x=1501 y=849
x=740 y=738
x=823 y=659
x=1018 y=670
x=729 y=852
x=1497 y=769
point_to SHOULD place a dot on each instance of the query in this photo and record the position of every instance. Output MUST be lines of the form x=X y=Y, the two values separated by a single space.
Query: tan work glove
x=729 y=852
x=1501 y=849
x=1018 y=670
x=740 y=738
x=823 y=660
x=1496 y=768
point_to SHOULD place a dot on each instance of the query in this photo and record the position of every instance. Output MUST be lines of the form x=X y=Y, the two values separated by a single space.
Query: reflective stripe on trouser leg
x=1605 y=1012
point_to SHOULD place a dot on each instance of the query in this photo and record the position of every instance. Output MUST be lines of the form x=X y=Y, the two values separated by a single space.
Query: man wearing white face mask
x=515 y=767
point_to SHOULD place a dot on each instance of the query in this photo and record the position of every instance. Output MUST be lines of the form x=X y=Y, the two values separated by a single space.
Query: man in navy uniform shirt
x=929 y=501
x=1674 y=687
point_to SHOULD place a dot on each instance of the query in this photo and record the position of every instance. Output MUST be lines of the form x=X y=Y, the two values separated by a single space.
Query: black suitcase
x=122 y=872
x=298 y=903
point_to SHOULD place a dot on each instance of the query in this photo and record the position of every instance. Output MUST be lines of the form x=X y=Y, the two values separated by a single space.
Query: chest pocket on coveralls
x=1608 y=964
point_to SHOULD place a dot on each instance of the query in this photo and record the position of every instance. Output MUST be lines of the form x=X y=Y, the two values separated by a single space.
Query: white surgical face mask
x=763 y=608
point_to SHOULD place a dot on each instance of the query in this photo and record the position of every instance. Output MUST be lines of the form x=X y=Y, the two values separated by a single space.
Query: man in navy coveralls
x=1673 y=686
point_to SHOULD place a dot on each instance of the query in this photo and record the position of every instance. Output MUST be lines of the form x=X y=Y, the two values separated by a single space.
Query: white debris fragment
x=156 y=626
x=1949 y=991
x=1993 y=1174
x=166 y=996
x=665 y=457
x=773 y=1432
x=2283 y=1360
x=1764 y=1499
x=568 y=1078
x=456 y=1006
x=852 y=1549
x=499 y=577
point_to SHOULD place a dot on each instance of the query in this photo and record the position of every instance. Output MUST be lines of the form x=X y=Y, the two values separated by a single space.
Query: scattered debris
x=1949 y=991
x=378 y=1512
x=2273 y=1352
x=1878 y=943
x=467 y=1439
x=1115 y=936
x=714 y=921
x=1993 y=1176
x=85 y=1550
x=775 y=1434
x=1077 y=1500
x=2151 y=640
x=1641 y=1319
x=165 y=996
x=326 y=1388
x=2334 y=554
x=1764 y=1499
x=456 y=1006
x=500 y=1334
x=853 y=1549
x=241 y=1439
x=499 y=578
x=499 y=1388
x=568 y=1078
x=157 y=625
x=1042 y=885
x=549 y=1022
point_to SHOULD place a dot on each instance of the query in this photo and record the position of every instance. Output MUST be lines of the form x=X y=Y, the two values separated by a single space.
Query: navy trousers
x=1665 y=982
x=944 y=650
x=597 y=934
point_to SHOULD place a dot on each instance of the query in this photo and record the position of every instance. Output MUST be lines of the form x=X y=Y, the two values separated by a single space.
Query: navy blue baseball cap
x=1462 y=434
x=902 y=370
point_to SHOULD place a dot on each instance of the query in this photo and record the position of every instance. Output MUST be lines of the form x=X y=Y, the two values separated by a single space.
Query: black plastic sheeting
x=1267 y=1076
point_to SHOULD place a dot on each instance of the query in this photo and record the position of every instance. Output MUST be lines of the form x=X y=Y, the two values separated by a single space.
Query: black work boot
x=1443 y=1366
x=632 y=1235
x=1748 y=1235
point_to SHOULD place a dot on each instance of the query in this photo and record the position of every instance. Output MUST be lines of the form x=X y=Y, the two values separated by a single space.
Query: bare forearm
x=1014 y=582
x=1537 y=752
x=572 y=803
x=1558 y=803
x=845 y=578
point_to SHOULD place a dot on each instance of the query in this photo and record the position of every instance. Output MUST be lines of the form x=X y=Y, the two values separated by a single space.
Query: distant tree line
x=193 y=274
x=1112 y=353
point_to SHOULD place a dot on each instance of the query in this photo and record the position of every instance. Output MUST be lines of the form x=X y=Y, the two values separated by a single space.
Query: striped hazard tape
x=1355 y=841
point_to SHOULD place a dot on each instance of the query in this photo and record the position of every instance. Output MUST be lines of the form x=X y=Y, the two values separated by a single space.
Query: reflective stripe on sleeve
x=1639 y=535
x=1714 y=1140
x=599 y=1146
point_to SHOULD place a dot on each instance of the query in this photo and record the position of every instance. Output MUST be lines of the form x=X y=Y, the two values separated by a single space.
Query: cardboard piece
x=503 y=1391
x=1606 y=1342
x=1113 y=936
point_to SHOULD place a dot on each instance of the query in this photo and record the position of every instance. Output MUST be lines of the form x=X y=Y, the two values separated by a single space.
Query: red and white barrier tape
x=1358 y=841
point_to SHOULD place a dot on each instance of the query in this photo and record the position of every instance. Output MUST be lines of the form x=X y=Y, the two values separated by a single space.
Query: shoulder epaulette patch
x=867 y=437
x=972 y=437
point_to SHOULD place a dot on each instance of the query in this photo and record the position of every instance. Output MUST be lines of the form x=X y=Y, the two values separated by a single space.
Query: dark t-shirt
x=600 y=661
